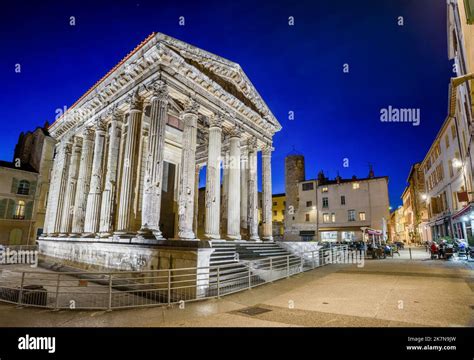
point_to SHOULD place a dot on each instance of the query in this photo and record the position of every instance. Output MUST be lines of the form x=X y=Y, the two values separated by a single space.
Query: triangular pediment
x=227 y=74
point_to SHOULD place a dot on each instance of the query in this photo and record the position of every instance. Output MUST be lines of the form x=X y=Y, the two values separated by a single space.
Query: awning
x=465 y=210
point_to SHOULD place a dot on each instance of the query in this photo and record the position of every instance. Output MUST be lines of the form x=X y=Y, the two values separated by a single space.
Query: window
x=309 y=203
x=274 y=203
x=283 y=212
x=20 y=210
x=333 y=217
x=325 y=202
x=284 y=203
x=325 y=217
x=351 y=215
x=362 y=216
x=450 y=166
x=23 y=187
x=324 y=189
x=308 y=186
x=453 y=132
x=343 y=200
x=307 y=217
x=275 y=213
x=355 y=185
x=446 y=138
x=469 y=10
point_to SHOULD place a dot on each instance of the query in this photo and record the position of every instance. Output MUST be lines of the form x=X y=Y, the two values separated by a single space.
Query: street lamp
x=424 y=196
x=457 y=163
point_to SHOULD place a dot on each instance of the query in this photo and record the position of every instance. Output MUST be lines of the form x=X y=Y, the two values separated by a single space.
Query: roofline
x=163 y=37
x=110 y=72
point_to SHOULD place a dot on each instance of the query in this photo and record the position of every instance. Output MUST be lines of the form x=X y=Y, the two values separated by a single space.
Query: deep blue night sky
x=295 y=68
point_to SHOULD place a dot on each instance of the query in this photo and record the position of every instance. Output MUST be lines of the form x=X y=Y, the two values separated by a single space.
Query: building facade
x=461 y=50
x=415 y=212
x=24 y=185
x=278 y=215
x=338 y=209
x=130 y=152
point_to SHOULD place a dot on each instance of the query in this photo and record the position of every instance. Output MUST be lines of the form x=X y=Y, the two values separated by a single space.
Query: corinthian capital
x=252 y=144
x=100 y=124
x=235 y=131
x=267 y=150
x=68 y=147
x=88 y=134
x=115 y=113
x=191 y=106
x=136 y=102
x=159 y=90
x=216 y=120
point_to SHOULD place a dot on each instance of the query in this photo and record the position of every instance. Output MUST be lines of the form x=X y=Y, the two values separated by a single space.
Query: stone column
x=152 y=186
x=91 y=225
x=243 y=189
x=50 y=209
x=213 y=179
x=253 y=191
x=196 y=199
x=61 y=185
x=130 y=170
x=225 y=192
x=233 y=206
x=110 y=188
x=83 y=182
x=188 y=164
x=66 y=221
x=267 y=193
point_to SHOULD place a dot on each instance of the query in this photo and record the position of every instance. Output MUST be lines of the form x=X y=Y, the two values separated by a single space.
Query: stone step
x=213 y=262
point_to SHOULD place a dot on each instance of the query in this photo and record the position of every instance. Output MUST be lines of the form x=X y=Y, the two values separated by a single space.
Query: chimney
x=371 y=172
x=338 y=178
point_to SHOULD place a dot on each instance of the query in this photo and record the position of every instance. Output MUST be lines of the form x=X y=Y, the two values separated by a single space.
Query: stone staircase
x=233 y=275
x=233 y=259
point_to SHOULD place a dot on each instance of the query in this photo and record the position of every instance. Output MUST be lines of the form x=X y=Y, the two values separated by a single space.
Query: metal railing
x=118 y=290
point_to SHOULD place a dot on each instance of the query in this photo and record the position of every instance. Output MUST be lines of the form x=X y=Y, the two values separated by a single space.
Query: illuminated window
x=326 y=217
x=333 y=217
x=20 y=210
x=355 y=185
x=324 y=189
x=362 y=216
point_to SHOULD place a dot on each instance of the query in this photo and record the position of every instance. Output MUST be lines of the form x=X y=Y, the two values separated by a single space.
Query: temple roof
x=227 y=74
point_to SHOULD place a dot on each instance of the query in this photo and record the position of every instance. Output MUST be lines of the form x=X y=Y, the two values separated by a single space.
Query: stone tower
x=294 y=174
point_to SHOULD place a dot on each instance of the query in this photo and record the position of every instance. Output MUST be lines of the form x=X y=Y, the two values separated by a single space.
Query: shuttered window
x=469 y=8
